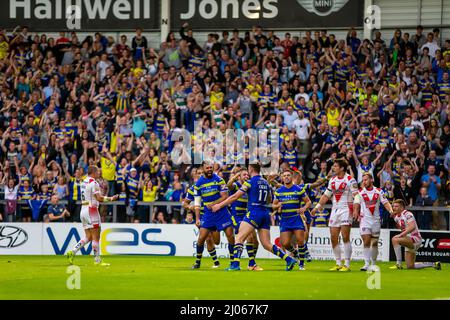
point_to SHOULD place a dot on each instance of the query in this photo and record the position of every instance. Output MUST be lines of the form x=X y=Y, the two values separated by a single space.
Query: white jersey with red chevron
x=341 y=191
x=89 y=188
x=371 y=199
x=402 y=221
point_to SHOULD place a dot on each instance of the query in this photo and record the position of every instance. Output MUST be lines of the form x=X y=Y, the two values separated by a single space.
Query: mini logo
x=444 y=244
x=12 y=237
x=322 y=7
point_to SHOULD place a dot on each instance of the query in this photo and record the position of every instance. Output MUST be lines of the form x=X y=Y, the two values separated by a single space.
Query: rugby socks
x=231 y=251
x=295 y=252
x=422 y=265
x=374 y=251
x=398 y=253
x=213 y=255
x=306 y=248
x=199 y=254
x=301 y=254
x=80 y=245
x=367 y=255
x=280 y=253
x=238 y=248
x=337 y=255
x=347 y=253
x=96 y=249
x=251 y=254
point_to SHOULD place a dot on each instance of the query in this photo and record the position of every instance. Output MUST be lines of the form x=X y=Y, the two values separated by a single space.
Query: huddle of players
x=253 y=201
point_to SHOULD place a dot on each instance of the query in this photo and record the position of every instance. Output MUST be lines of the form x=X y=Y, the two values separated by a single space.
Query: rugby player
x=90 y=216
x=409 y=238
x=257 y=217
x=342 y=188
x=289 y=199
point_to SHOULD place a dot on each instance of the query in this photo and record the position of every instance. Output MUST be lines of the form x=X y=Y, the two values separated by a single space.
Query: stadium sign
x=102 y=15
x=20 y=238
x=274 y=14
x=435 y=247
x=11 y=237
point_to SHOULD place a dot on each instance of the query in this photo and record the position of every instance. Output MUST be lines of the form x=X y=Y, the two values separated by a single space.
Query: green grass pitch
x=145 y=277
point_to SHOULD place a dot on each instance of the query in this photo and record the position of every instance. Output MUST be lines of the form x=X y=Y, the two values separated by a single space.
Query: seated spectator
x=56 y=212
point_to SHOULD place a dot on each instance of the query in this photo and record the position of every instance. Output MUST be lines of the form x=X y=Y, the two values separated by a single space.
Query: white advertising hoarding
x=20 y=238
x=152 y=239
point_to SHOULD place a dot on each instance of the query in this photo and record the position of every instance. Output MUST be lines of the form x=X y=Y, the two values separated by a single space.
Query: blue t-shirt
x=57 y=211
x=432 y=188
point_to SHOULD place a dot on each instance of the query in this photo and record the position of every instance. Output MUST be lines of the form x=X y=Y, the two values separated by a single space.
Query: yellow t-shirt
x=4 y=47
x=333 y=117
x=149 y=195
x=108 y=169
x=254 y=91
x=113 y=146
x=153 y=164
x=216 y=97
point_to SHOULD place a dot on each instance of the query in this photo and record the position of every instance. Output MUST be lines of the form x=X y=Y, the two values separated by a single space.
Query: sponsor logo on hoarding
x=135 y=241
x=12 y=237
x=444 y=244
x=322 y=7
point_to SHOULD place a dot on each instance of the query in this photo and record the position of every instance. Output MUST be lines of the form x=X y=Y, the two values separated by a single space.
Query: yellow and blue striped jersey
x=190 y=195
x=291 y=200
x=210 y=189
x=239 y=207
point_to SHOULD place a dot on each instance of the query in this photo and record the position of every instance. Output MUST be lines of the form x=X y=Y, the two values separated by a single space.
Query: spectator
x=56 y=212
x=423 y=217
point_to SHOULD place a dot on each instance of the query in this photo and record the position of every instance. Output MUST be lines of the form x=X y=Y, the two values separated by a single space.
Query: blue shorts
x=237 y=222
x=218 y=221
x=258 y=218
x=308 y=217
x=292 y=224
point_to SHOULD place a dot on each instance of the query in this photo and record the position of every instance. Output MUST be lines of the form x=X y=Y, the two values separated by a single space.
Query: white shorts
x=417 y=244
x=90 y=217
x=340 y=217
x=370 y=226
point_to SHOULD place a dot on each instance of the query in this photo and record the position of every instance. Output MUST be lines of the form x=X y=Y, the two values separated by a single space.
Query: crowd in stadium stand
x=67 y=103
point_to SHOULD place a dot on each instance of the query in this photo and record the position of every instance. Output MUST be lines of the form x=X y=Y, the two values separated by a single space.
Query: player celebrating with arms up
x=409 y=238
x=367 y=210
x=342 y=187
x=90 y=216
x=289 y=198
x=258 y=217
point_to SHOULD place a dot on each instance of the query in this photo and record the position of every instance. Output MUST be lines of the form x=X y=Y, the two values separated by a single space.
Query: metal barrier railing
x=170 y=205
